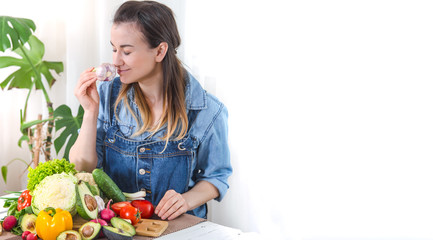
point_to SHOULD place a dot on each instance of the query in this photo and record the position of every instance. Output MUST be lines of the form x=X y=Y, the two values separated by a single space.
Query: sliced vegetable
x=123 y=225
x=69 y=235
x=51 y=222
x=28 y=222
x=20 y=216
x=108 y=186
x=113 y=233
x=94 y=189
x=87 y=207
x=56 y=191
x=103 y=223
x=89 y=230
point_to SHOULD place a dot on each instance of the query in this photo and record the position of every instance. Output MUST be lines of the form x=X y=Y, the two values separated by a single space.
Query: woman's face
x=134 y=59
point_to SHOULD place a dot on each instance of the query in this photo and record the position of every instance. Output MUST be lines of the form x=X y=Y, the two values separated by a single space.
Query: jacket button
x=142 y=171
x=142 y=149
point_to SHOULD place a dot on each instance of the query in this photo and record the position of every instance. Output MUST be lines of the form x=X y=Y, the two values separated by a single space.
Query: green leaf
x=70 y=124
x=5 y=173
x=14 y=32
x=31 y=67
x=32 y=123
x=24 y=137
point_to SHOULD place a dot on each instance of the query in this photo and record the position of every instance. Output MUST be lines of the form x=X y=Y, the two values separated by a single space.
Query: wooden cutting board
x=151 y=227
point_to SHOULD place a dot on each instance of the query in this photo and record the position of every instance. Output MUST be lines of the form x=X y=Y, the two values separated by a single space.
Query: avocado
x=113 y=233
x=123 y=225
x=69 y=235
x=87 y=206
x=28 y=222
x=93 y=189
x=89 y=230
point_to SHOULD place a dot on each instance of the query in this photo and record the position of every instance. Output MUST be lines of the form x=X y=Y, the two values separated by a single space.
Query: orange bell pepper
x=51 y=222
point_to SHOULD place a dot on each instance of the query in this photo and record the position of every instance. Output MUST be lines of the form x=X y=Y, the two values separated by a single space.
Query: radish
x=9 y=222
x=102 y=222
x=107 y=214
x=27 y=235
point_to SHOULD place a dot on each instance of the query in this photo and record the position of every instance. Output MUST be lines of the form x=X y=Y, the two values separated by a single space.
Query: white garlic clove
x=106 y=72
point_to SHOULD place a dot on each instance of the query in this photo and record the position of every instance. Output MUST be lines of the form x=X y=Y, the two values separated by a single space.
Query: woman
x=153 y=128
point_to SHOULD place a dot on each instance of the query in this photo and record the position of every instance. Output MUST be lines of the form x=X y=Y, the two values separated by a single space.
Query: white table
x=210 y=231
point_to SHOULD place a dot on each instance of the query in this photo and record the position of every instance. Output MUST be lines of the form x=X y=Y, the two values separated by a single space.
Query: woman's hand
x=171 y=206
x=86 y=91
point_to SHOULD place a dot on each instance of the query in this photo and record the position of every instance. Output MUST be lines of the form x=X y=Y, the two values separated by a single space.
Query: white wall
x=50 y=29
x=74 y=32
x=329 y=107
x=329 y=111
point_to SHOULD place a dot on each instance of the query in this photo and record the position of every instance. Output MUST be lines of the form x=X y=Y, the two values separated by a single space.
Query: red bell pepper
x=24 y=200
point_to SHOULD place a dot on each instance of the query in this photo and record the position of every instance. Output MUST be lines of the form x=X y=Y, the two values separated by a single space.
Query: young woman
x=153 y=128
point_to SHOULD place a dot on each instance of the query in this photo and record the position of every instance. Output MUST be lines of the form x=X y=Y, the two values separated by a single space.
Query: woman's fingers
x=86 y=91
x=85 y=83
x=175 y=211
x=163 y=204
x=171 y=205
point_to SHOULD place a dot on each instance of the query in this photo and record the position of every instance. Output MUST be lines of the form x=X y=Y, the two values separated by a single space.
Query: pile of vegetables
x=56 y=192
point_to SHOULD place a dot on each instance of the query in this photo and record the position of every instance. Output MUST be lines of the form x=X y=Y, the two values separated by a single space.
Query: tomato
x=131 y=213
x=119 y=205
x=146 y=208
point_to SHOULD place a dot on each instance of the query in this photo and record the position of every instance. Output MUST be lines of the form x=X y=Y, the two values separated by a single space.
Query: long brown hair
x=157 y=23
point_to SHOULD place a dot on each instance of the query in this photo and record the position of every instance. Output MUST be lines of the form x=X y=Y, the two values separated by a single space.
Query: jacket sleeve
x=213 y=155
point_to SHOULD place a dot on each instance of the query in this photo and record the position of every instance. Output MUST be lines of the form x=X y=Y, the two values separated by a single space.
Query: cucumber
x=108 y=186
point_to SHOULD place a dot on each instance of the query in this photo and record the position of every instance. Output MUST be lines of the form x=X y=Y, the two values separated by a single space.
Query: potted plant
x=35 y=74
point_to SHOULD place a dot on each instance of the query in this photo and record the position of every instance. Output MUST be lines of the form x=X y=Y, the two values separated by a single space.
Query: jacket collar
x=195 y=96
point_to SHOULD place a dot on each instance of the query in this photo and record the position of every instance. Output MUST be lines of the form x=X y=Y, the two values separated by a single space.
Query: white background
x=330 y=107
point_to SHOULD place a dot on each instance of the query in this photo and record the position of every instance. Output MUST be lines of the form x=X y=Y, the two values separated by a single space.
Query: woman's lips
x=119 y=71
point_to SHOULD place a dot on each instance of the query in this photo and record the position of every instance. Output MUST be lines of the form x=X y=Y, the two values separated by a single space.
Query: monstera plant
x=24 y=50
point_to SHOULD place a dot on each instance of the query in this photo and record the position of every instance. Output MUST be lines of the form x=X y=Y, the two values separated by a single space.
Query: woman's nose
x=117 y=59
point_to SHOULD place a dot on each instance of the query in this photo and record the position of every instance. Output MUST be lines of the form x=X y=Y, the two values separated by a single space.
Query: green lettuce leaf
x=35 y=176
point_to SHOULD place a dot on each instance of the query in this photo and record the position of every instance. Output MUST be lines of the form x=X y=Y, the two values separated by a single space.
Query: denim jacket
x=140 y=162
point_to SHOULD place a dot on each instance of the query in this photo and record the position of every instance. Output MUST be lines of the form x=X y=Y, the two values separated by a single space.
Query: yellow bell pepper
x=51 y=222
